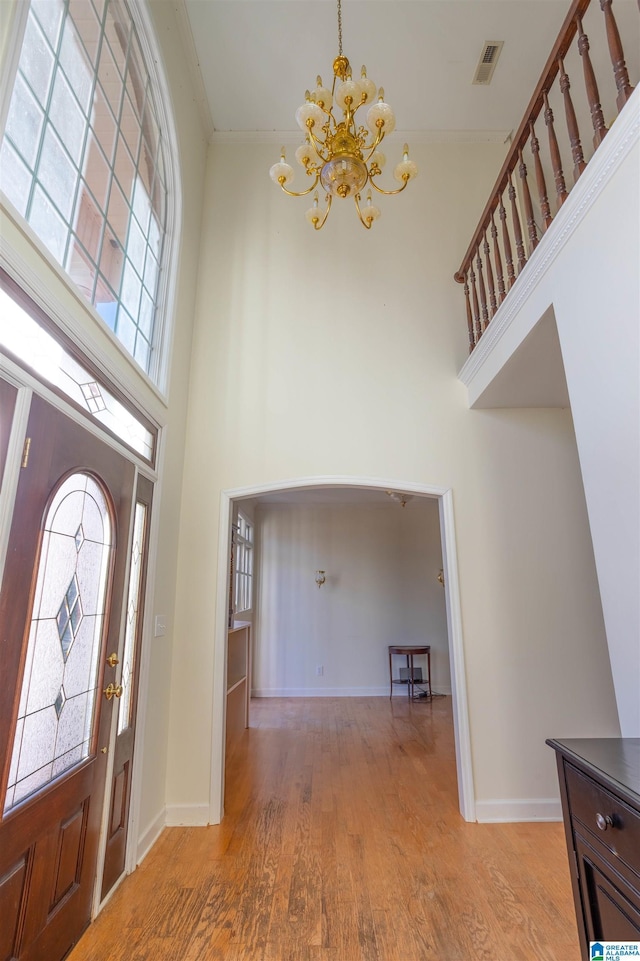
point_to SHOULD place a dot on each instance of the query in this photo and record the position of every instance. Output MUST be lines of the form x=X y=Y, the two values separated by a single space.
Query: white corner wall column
x=585 y=270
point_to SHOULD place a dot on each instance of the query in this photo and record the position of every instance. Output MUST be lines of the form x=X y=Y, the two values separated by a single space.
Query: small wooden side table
x=410 y=651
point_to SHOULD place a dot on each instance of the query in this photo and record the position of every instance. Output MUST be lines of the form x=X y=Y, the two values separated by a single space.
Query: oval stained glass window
x=59 y=686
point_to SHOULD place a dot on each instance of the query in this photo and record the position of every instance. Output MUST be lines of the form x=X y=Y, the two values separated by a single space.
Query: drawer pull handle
x=604 y=821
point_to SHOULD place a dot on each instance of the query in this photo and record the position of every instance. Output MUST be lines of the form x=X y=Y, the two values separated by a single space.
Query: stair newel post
x=572 y=123
x=528 y=206
x=517 y=229
x=556 y=161
x=493 y=303
x=472 y=340
x=540 y=181
x=476 y=307
x=498 y=261
x=484 y=312
x=506 y=240
x=616 y=52
x=593 y=95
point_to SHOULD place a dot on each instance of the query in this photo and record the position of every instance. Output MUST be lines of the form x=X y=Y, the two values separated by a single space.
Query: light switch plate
x=160 y=625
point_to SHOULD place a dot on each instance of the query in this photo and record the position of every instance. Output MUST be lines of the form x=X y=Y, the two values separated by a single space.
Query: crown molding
x=286 y=137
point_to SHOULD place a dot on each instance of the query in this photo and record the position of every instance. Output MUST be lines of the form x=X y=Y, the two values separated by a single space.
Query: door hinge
x=25 y=451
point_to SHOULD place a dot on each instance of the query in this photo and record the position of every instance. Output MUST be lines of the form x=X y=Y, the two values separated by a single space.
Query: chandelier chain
x=339 y=28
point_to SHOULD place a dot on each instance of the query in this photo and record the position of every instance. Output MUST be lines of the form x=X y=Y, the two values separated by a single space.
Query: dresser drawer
x=590 y=803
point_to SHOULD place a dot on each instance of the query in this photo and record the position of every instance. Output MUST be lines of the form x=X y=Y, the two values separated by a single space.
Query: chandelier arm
x=303 y=193
x=376 y=143
x=317 y=143
x=389 y=193
x=365 y=223
x=321 y=223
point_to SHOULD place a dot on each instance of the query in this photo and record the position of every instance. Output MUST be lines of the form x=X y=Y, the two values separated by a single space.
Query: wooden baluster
x=472 y=340
x=483 y=293
x=506 y=240
x=542 y=186
x=476 y=306
x=493 y=303
x=556 y=160
x=498 y=261
x=528 y=206
x=517 y=230
x=593 y=96
x=620 y=71
x=572 y=123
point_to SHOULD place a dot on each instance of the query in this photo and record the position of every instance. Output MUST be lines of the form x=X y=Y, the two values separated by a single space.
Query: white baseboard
x=320 y=692
x=187 y=815
x=149 y=837
x=398 y=691
x=496 y=810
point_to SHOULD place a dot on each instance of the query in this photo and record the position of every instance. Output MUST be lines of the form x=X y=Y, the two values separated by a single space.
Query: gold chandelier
x=338 y=154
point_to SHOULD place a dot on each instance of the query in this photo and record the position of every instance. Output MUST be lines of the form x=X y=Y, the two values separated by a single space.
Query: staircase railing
x=497 y=254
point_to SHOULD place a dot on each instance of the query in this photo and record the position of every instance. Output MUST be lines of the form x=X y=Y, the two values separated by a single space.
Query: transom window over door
x=83 y=160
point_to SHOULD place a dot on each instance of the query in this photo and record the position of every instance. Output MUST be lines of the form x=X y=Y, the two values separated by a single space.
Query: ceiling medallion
x=339 y=155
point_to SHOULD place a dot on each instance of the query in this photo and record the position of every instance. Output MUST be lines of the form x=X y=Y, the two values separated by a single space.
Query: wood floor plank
x=342 y=841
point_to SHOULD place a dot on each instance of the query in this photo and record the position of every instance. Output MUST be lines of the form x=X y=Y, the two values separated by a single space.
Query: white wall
x=586 y=273
x=192 y=156
x=336 y=353
x=381 y=566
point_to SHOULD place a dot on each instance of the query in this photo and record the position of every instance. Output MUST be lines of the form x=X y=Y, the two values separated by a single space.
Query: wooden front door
x=60 y=614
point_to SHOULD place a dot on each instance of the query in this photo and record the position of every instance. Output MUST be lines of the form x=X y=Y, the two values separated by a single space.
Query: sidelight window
x=243 y=565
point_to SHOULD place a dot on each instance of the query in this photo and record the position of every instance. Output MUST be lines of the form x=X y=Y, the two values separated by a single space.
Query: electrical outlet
x=319 y=670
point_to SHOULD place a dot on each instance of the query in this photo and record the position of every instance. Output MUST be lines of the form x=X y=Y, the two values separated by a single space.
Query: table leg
x=390 y=678
x=429 y=673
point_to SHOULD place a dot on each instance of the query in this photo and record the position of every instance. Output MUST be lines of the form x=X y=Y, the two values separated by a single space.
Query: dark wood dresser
x=600 y=791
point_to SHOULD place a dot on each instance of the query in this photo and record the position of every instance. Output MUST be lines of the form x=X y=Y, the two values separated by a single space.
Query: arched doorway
x=454 y=624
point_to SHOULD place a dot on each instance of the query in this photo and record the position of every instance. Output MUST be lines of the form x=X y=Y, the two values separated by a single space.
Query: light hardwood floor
x=342 y=841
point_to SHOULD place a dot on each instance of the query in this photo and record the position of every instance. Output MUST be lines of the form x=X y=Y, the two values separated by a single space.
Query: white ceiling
x=534 y=374
x=257 y=57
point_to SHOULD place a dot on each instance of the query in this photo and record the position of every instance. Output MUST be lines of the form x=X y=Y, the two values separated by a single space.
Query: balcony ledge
x=514 y=365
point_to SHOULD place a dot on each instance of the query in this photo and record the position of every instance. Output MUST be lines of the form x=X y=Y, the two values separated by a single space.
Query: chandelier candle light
x=338 y=154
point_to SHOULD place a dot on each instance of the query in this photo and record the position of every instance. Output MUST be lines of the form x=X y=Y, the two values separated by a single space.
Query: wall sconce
x=320 y=578
x=399 y=497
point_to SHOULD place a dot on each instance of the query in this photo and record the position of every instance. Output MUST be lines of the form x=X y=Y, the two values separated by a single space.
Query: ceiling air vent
x=488 y=61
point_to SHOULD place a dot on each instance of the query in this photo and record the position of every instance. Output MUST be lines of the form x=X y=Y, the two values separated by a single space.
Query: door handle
x=112 y=691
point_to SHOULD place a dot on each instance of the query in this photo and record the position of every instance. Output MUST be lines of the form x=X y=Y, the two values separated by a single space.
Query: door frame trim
x=466 y=793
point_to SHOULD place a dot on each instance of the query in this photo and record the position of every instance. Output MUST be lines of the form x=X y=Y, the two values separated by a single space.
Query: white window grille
x=83 y=159
x=243 y=566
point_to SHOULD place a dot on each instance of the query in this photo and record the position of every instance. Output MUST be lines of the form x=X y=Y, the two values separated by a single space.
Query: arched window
x=83 y=159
